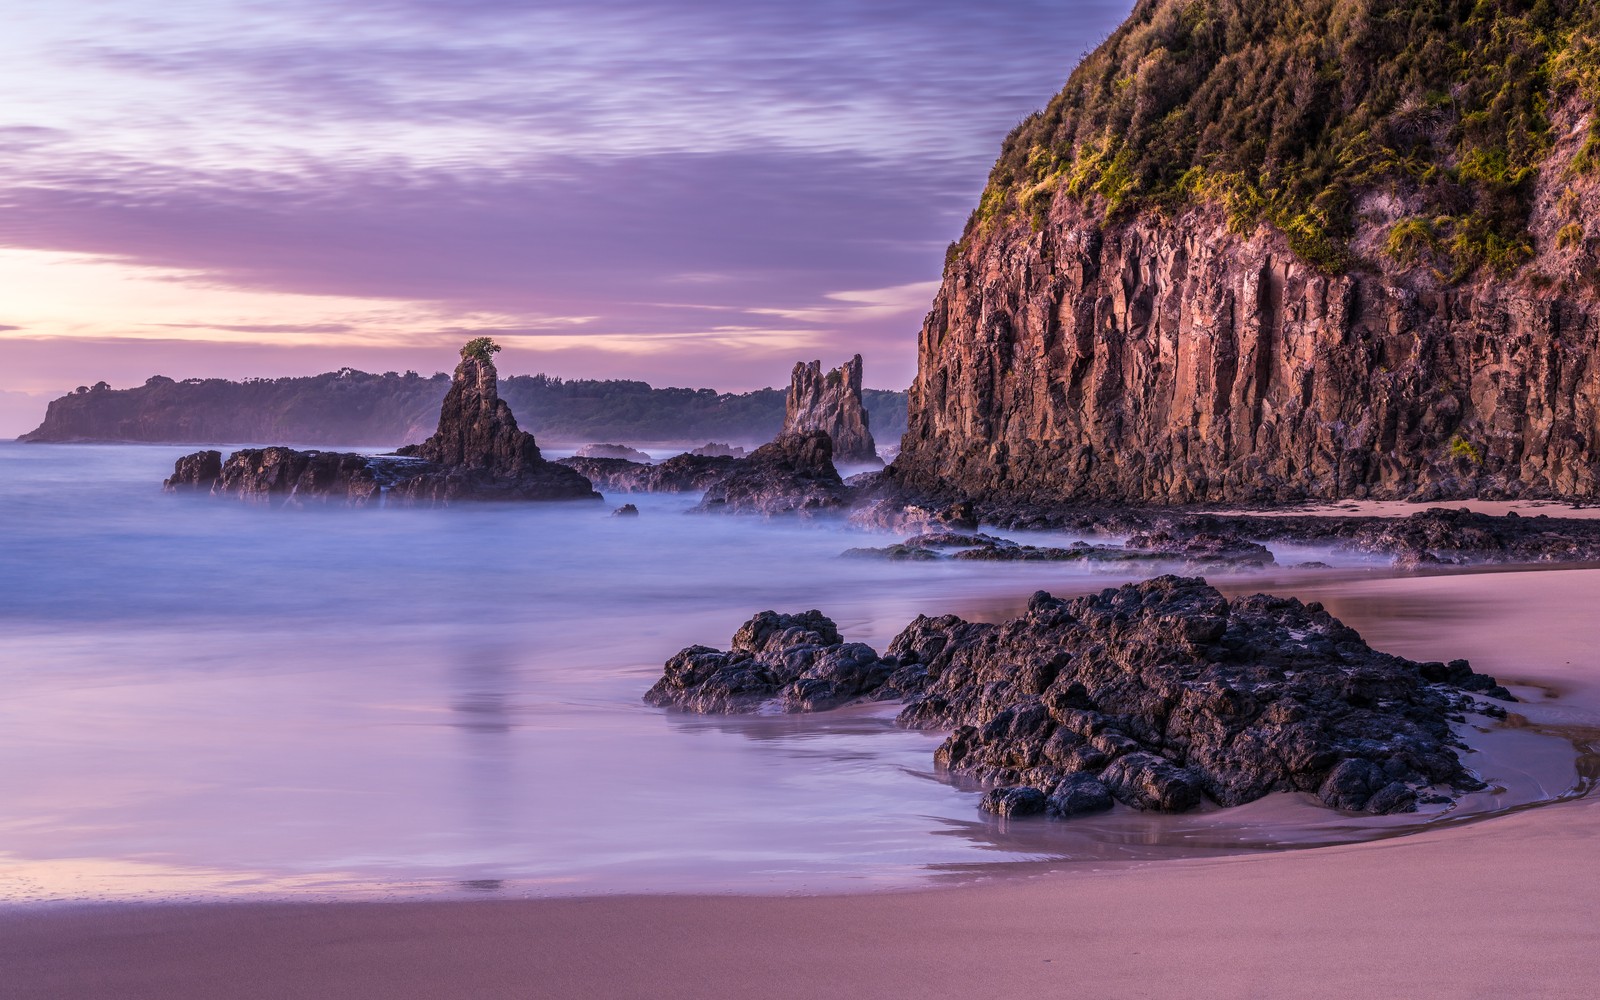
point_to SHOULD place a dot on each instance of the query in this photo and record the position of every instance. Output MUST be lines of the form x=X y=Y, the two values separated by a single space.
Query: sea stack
x=480 y=451
x=831 y=403
x=477 y=453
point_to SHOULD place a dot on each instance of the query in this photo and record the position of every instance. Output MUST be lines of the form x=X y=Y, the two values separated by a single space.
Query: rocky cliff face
x=831 y=403
x=1172 y=361
x=1122 y=322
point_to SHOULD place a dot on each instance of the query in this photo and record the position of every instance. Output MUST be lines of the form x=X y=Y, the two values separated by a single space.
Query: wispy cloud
x=639 y=176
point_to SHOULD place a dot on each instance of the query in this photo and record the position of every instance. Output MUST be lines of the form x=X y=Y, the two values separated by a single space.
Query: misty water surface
x=205 y=697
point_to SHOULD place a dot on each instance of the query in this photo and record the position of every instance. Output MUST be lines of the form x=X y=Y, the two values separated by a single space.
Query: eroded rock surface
x=831 y=402
x=1161 y=695
x=199 y=471
x=794 y=474
x=479 y=452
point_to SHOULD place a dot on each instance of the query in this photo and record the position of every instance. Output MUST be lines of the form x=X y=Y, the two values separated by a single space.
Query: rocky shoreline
x=1160 y=695
x=478 y=453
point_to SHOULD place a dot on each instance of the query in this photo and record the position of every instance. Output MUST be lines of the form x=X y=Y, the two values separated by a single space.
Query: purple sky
x=692 y=193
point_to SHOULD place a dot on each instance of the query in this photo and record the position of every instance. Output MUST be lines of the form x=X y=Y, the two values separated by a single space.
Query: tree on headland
x=481 y=348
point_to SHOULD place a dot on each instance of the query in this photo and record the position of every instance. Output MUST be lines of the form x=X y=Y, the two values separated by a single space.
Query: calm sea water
x=203 y=697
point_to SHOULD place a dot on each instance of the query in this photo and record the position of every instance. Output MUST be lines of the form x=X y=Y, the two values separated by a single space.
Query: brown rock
x=1169 y=360
x=831 y=403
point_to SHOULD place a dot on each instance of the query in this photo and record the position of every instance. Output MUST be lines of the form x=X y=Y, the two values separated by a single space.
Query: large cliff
x=1259 y=252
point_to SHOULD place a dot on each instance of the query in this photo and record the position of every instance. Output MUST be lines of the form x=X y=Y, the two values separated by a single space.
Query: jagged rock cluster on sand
x=1160 y=695
x=477 y=453
x=831 y=403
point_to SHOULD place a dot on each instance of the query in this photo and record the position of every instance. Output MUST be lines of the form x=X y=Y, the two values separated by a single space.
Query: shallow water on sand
x=205 y=698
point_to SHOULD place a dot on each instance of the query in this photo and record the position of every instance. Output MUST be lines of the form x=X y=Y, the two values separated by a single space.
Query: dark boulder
x=196 y=472
x=1015 y=800
x=786 y=663
x=1078 y=794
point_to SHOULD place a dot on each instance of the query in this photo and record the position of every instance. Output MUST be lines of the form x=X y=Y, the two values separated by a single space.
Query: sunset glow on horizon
x=696 y=194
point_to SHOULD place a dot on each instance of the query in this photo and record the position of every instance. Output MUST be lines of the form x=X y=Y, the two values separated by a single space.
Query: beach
x=1495 y=907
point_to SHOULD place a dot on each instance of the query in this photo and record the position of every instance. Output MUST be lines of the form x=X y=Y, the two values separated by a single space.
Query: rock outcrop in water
x=1202 y=551
x=1242 y=263
x=687 y=473
x=794 y=474
x=831 y=403
x=477 y=453
x=1160 y=694
x=613 y=451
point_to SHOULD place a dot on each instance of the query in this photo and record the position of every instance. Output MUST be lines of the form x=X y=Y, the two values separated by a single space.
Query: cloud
x=266 y=327
x=685 y=177
x=778 y=231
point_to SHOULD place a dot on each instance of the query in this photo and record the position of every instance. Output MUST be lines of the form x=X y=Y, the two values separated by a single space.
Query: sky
x=687 y=192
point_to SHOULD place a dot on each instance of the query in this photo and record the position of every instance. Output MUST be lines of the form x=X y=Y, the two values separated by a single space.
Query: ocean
x=203 y=698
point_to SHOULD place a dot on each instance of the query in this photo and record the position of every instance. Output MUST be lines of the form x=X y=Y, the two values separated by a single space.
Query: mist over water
x=205 y=697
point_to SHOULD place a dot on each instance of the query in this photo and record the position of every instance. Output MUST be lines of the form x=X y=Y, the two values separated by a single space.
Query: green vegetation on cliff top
x=1285 y=111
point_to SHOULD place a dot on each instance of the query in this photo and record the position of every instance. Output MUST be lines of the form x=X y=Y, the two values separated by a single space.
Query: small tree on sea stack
x=481 y=348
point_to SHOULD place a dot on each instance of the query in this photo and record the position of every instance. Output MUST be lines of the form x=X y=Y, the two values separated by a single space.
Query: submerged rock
x=626 y=510
x=795 y=473
x=1160 y=695
x=1198 y=552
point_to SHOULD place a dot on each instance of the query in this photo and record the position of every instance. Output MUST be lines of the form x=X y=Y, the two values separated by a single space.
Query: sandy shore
x=1504 y=907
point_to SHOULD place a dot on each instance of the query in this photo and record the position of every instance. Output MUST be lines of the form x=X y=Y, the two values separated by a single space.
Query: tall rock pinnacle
x=476 y=427
x=480 y=452
x=831 y=403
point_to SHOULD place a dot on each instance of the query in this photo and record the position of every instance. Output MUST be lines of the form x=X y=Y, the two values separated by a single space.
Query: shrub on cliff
x=1285 y=111
x=481 y=348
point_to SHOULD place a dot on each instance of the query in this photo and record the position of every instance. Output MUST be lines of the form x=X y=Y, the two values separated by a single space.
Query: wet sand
x=1508 y=906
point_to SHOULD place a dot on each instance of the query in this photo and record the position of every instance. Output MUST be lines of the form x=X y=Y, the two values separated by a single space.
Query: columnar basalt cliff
x=831 y=403
x=1178 y=289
